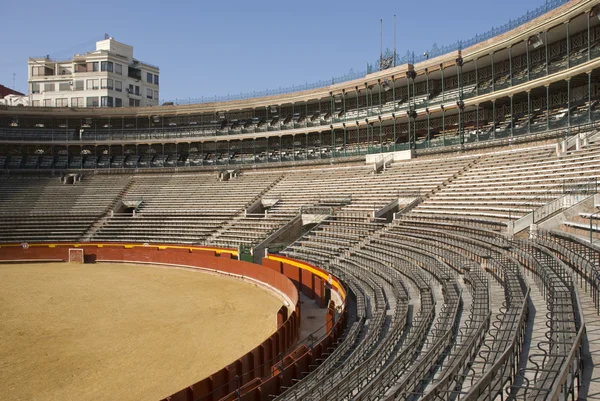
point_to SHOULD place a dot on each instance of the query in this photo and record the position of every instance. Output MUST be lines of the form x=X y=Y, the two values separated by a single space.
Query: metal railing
x=436 y=50
x=408 y=58
x=321 y=210
x=562 y=196
x=582 y=257
x=509 y=357
x=350 y=76
x=277 y=363
x=408 y=207
x=521 y=216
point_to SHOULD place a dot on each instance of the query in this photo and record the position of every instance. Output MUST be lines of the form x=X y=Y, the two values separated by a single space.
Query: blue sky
x=207 y=48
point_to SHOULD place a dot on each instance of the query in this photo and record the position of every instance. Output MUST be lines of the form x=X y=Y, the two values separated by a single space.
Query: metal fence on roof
x=411 y=57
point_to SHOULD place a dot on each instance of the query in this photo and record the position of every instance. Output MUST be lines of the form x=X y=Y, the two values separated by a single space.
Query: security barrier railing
x=396 y=59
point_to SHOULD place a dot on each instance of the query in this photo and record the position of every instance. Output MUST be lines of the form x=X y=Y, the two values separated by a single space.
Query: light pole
x=591 y=226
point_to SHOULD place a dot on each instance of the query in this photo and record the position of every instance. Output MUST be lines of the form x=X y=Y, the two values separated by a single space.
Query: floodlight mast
x=394 y=40
x=380 y=43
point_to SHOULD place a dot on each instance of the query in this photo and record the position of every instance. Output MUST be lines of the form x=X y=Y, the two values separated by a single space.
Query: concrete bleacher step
x=214 y=238
x=590 y=382
x=467 y=300
x=497 y=297
x=594 y=138
x=583 y=225
x=98 y=224
x=42 y=209
x=438 y=296
x=535 y=339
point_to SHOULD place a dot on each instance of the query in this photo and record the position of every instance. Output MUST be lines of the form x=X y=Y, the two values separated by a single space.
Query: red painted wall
x=259 y=372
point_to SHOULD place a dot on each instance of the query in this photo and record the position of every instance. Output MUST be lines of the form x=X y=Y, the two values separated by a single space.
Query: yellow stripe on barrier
x=314 y=270
x=127 y=246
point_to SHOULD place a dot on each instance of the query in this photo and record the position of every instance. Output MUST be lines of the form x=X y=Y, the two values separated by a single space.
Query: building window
x=118 y=69
x=156 y=95
x=119 y=86
x=118 y=102
x=36 y=103
x=134 y=73
x=148 y=77
x=49 y=87
x=47 y=102
x=133 y=91
x=62 y=102
x=92 y=101
x=93 y=84
x=41 y=71
x=64 y=86
x=94 y=66
x=106 y=66
x=106 y=101
x=106 y=83
x=149 y=93
x=76 y=102
x=78 y=85
x=156 y=79
x=35 y=87
x=134 y=103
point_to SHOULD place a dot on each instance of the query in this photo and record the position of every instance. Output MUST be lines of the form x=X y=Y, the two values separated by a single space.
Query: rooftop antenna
x=380 y=43
x=394 y=40
x=106 y=36
x=14 y=80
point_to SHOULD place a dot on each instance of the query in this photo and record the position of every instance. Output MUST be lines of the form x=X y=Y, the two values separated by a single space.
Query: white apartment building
x=106 y=77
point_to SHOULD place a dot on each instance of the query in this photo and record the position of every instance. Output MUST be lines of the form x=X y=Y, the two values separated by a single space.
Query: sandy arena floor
x=121 y=332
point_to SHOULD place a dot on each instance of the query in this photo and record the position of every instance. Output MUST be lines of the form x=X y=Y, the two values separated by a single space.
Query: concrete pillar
x=533 y=231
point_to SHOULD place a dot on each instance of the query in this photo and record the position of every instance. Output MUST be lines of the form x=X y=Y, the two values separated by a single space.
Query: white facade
x=106 y=77
x=15 y=100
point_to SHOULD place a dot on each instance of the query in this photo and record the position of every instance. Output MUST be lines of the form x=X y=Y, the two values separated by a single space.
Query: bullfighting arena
x=120 y=331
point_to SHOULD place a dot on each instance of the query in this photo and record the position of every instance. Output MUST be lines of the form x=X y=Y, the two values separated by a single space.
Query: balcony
x=135 y=95
x=134 y=73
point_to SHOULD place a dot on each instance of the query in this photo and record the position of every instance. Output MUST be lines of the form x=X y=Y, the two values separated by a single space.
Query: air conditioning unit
x=595 y=12
x=535 y=41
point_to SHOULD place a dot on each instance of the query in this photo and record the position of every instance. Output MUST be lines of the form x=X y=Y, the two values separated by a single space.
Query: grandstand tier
x=454 y=198
x=469 y=275
x=539 y=79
